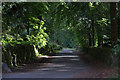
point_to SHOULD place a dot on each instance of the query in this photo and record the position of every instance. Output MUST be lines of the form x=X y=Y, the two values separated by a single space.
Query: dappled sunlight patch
x=57 y=65
x=45 y=69
x=75 y=59
x=63 y=70
x=67 y=56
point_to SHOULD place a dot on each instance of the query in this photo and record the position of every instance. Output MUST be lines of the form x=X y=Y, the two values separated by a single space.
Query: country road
x=66 y=64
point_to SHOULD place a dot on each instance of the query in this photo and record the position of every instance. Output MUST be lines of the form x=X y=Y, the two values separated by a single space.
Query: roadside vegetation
x=33 y=29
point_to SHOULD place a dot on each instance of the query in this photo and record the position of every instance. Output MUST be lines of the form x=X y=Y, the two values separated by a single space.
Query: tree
x=114 y=30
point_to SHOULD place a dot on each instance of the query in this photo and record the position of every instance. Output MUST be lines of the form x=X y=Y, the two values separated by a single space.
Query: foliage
x=18 y=54
x=49 y=49
x=116 y=53
x=80 y=30
x=37 y=36
x=116 y=48
x=37 y=33
x=110 y=56
x=21 y=48
x=70 y=19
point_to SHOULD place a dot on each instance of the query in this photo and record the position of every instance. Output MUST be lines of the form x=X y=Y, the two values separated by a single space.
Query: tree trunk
x=89 y=39
x=99 y=41
x=118 y=20
x=93 y=32
x=89 y=36
x=99 y=35
x=27 y=28
x=114 y=30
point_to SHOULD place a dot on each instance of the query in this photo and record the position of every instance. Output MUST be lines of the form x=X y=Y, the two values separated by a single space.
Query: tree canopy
x=65 y=22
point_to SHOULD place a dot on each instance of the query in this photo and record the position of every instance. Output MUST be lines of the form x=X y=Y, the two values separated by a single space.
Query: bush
x=100 y=54
x=116 y=53
x=59 y=47
x=18 y=54
x=49 y=49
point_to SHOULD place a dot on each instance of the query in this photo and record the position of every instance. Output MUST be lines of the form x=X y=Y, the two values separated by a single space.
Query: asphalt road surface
x=65 y=64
